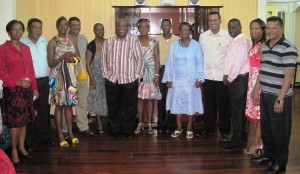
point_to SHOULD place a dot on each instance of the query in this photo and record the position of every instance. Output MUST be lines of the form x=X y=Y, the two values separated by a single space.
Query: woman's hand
x=1 y=130
x=156 y=80
x=198 y=84
x=68 y=57
x=169 y=84
x=25 y=83
x=93 y=83
x=255 y=97
x=35 y=95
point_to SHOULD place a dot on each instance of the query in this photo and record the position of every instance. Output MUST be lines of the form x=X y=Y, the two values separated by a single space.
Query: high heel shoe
x=139 y=128
x=255 y=150
x=150 y=130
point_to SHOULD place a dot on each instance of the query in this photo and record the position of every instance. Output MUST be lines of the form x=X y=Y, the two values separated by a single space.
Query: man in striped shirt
x=278 y=63
x=122 y=65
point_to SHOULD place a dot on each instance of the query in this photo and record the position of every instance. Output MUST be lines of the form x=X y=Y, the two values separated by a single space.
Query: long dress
x=184 y=66
x=252 y=110
x=97 y=96
x=62 y=79
x=149 y=70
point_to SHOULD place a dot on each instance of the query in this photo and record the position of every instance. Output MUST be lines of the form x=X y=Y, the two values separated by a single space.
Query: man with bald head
x=236 y=75
x=122 y=65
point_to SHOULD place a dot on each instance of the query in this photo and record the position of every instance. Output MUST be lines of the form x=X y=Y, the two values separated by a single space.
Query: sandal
x=139 y=128
x=189 y=134
x=176 y=133
x=64 y=144
x=100 y=131
x=251 y=151
x=75 y=141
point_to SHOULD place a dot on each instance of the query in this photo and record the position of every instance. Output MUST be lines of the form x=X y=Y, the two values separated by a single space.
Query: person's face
x=143 y=28
x=63 y=27
x=166 y=27
x=185 y=32
x=234 y=29
x=255 y=31
x=274 y=30
x=122 y=28
x=99 y=31
x=16 y=31
x=214 y=22
x=75 y=27
x=35 y=30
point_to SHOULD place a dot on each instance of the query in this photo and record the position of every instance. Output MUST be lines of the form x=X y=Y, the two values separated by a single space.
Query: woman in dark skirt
x=19 y=87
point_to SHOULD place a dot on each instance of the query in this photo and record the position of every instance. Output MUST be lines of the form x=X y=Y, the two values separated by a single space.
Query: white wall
x=7 y=13
x=261 y=9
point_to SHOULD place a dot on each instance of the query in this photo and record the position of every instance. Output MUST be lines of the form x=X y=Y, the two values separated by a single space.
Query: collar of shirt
x=280 y=41
x=220 y=33
x=118 y=39
x=238 y=37
x=27 y=41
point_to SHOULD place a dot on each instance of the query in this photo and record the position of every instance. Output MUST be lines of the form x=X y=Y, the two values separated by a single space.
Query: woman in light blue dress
x=184 y=77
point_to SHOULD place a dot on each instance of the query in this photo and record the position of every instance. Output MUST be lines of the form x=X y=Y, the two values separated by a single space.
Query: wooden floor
x=145 y=154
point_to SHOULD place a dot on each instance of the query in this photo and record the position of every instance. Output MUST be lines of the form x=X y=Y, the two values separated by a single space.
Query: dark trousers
x=164 y=121
x=122 y=102
x=237 y=101
x=276 y=128
x=40 y=129
x=215 y=95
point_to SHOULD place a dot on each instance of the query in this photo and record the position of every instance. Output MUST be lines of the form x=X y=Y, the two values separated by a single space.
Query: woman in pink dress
x=258 y=37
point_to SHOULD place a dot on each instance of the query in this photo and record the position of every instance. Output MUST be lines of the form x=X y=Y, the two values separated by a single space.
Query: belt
x=41 y=78
x=242 y=75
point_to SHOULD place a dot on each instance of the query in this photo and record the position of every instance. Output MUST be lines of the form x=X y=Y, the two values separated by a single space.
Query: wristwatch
x=279 y=101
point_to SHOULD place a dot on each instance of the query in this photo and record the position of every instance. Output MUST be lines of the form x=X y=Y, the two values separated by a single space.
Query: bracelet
x=157 y=75
x=76 y=60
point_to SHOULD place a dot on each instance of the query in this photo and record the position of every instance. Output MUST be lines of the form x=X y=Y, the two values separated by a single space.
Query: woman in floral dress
x=258 y=37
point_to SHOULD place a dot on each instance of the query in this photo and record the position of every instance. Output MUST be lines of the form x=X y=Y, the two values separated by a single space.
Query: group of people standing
x=238 y=81
x=36 y=73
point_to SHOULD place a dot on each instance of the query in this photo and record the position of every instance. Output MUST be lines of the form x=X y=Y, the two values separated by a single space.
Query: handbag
x=155 y=93
x=5 y=138
x=82 y=75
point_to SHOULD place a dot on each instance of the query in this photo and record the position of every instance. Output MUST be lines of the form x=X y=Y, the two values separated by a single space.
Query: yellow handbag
x=82 y=75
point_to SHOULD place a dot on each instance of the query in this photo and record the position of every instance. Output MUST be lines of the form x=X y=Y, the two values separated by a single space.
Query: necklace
x=63 y=40
x=186 y=44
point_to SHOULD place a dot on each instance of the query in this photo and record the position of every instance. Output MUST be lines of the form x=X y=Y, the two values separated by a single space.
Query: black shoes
x=87 y=133
x=204 y=133
x=229 y=147
x=275 y=169
x=260 y=160
x=115 y=135
x=225 y=138
x=47 y=142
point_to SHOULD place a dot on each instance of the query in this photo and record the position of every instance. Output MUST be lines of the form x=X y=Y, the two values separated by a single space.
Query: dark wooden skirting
x=148 y=154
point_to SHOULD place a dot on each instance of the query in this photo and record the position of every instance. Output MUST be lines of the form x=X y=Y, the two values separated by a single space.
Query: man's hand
x=169 y=84
x=225 y=80
x=198 y=84
x=278 y=107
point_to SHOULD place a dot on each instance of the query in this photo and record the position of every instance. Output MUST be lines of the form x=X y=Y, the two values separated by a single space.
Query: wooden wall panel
x=93 y=11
